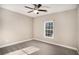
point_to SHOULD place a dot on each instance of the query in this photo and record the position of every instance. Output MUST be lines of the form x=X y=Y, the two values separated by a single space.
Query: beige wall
x=64 y=28
x=14 y=27
x=78 y=30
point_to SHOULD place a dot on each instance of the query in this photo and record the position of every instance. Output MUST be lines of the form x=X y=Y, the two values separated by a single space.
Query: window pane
x=51 y=31
x=51 y=25
x=48 y=25
x=49 y=35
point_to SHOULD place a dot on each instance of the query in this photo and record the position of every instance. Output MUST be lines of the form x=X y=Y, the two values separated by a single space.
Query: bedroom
x=25 y=33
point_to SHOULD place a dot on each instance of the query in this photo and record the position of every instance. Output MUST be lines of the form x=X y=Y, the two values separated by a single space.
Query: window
x=48 y=29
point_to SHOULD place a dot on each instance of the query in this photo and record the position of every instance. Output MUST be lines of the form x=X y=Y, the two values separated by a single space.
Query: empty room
x=39 y=29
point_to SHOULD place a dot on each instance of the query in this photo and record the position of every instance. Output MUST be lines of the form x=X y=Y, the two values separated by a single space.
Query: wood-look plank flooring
x=45 y=48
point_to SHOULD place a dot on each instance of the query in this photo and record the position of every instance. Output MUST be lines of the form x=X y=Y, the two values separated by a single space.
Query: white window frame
x=45 y=29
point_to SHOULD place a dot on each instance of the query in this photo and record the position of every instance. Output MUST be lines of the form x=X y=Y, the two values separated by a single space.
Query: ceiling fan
x=36 y=8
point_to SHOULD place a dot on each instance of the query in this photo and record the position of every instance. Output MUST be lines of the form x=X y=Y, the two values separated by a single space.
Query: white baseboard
x=9 y=44
x=69 y=47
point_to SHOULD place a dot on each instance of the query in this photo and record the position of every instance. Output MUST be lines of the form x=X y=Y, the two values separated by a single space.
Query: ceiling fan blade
x=30 y=11
x=28 y=7
x=42 y=10
x=34 y=4
x=39 y=5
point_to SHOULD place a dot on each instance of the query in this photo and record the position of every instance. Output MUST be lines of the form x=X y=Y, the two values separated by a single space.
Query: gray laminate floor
x=45 y=48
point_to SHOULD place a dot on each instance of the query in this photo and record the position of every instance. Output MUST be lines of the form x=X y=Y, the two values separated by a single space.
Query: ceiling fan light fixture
x=35 y=11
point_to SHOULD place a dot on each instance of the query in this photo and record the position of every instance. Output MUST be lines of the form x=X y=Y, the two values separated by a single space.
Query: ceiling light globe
x=35 y=11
